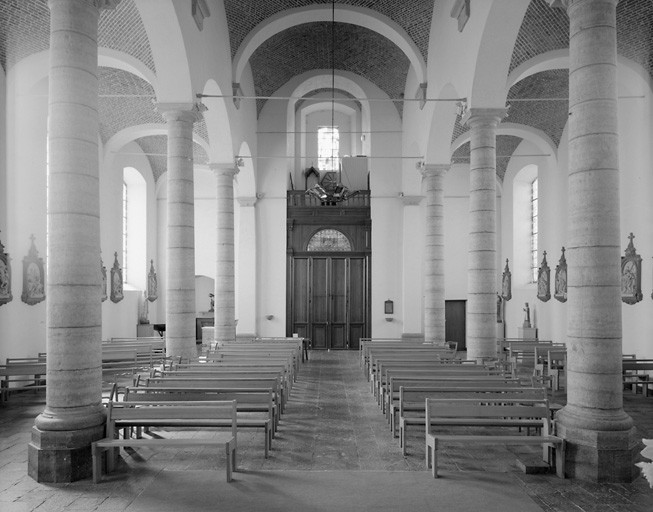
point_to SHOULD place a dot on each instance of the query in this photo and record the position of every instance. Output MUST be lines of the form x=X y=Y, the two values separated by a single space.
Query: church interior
x=456 y=174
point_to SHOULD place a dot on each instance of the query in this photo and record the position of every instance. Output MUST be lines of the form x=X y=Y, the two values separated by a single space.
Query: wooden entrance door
x=329 y=299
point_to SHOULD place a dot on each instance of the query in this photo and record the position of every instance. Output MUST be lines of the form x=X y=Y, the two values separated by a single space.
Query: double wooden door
x=329 y=299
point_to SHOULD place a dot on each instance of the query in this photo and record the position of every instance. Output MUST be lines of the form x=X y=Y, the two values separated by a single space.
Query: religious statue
x=499 y=304
x=212 y=298
x=143 y=309
x=527 y=317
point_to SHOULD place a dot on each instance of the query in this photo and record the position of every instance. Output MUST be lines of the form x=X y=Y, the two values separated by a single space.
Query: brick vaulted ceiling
x=24 y=30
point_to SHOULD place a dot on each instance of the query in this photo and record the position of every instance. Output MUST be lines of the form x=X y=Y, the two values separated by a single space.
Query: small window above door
x=329 y=240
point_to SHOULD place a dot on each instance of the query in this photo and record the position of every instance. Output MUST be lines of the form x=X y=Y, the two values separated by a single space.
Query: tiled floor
x=331 y=423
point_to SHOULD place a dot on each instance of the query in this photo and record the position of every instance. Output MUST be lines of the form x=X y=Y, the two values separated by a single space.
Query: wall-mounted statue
x=560 y=290
x=5 y=276
x=544 y=280
x=33 y=276
x=506 y=283
x=116 y=280
x=631 y=274
x=103 y=271
x=527 y=317
x=152 y=284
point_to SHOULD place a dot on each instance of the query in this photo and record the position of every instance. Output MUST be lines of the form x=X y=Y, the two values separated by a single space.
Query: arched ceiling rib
x=546 y=29
x=413 y=16
x=358 y=50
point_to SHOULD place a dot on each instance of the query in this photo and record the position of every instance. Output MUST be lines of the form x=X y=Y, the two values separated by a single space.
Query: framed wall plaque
x=560 y=290
x=33 y=276
x=631 y=274
x=544 y=280
x=116 y=280
x=5 y=276
x=506 y=283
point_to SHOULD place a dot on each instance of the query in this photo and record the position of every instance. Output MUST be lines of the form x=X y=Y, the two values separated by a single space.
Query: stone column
x=180 y=268
x=434 y=253
x=225 y=276
x=482 y=276
x=73 y=416
x=600 y=434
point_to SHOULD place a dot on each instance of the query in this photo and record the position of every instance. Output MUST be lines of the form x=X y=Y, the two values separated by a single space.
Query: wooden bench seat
x=412 y=401
x=255 y=407
x=29 y=374
x=637 y=373
x=395 y=379
x=167 y=414
x=491 y=415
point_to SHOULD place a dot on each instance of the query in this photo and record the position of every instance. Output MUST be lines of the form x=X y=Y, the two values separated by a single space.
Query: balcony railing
x=299 y=199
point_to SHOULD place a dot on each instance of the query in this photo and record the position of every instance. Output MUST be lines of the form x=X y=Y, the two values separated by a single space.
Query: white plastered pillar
x=180 y=268
x=482 y=263
x=434 y=253
x=225 y=278
x=600 y=433
x=73 y=416
x=247 y=267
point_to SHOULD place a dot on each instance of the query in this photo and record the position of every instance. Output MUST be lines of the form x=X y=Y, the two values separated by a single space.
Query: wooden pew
x=391 y=393
x=637 y=373
x=21 y=375
x=255 y=407
x=167 y=414
x=412 y=401
x=443 y=413
x=383 y=388
x=222 y=382
x=550 y=363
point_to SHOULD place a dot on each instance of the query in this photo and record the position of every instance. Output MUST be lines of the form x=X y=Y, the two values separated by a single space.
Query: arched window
x=134 y=232
x=329 y=240
x=534 y=230
x=328 y=147
x=524 y=263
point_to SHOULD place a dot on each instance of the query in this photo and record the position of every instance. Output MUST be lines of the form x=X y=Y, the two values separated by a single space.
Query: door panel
x=329 y=300
x=454 y=322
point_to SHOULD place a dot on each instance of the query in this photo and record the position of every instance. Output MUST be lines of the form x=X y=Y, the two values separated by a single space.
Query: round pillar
x=593 y=421
x=180 y=268
x=73 y=416
x=482 y=262
x=225 y=274
x=434 y=253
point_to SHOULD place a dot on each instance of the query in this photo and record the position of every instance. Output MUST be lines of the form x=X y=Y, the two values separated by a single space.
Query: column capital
x=429 y=170
x=410 y=200
x=228 y=168
x=484 y=115
x=247 y=201
x=179 y=111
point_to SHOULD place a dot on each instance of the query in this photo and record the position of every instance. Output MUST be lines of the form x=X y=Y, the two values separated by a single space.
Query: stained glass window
x=329 y=240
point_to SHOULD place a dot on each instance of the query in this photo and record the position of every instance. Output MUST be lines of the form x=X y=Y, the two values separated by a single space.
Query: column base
x=601 y=456
x=55 y=456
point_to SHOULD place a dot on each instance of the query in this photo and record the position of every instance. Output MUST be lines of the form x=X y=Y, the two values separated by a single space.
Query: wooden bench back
x=191 y=411
x=487 y=408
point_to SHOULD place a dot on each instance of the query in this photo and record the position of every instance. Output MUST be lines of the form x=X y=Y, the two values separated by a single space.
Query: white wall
x=22 y=327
